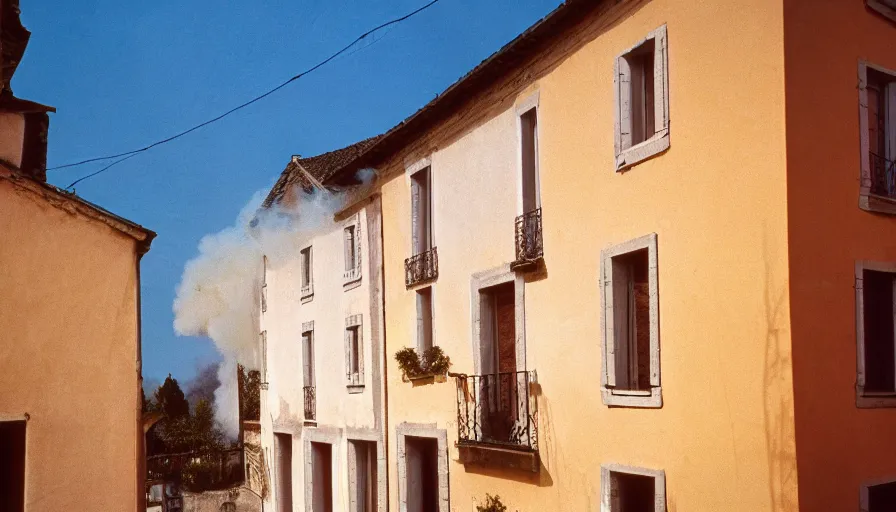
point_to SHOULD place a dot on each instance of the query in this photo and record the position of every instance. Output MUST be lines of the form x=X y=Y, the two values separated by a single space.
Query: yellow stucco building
x=657 y=243
x=71 y=428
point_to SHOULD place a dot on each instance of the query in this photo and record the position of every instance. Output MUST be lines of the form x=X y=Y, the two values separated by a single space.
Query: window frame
x=354 y=380
x=480 y=282
x=867 y=200
x=351 y=278
x=263 y=341
x=264 y=284
x=881 y=8
x=355 y=435
x=529 y=104
x=418 y=327
x=659 y=476
x=866 y=400
x=424 y=164
x=306 y=289
x=628 y=155
x=404 y=430
x=308 y=328
x=332 y=437
x=630 y=398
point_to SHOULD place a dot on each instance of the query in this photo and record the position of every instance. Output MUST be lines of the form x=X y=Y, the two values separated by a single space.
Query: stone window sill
x=872 y=400
x=355 y=389
x=636 y=154
x=883 y=10
x=480 y=454
x=652 y=399
x=351 y=283
x=877 y=204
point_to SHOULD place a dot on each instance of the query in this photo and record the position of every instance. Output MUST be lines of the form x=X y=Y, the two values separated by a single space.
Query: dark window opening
x=12 y=466
x=421 y=199
x=631 y=320
x=880 y=345
x=632 y=493
x=424 y=320
x=529 y=151
x=882 y=498
x=640 y=62
x=306 y=267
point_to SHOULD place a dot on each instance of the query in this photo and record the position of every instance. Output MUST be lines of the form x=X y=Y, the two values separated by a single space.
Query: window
x=308 y=389
x=424 y=320
x=879 y=498
x=642 y=101
x=263 y=342
x=12 y=466
x=630 y=489
x=307 y=290
x=354 y=354
x=884 y=7
x=529 y=159
x=283 y=451
x=631 y=375
x=264 y=284
x=352 y=250
x=877 y=118
x=421 y=215
x=363 y=476
x=876 y=334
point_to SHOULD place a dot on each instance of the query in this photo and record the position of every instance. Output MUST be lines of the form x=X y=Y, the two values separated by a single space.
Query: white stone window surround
x=628 y=155
x=351 y=277
x=415 y=328
x=868 y=201
x=306 y=289
x=354 y=381
x=625 y=398
x=886 y=8
x=411 y=169
x=488 y=279
x=324 y=435
x=264 y=284
x=659 y=477
x=382 y=468
x=402 y=431
x=528 y=103
x=263 y=345
x=867 y=400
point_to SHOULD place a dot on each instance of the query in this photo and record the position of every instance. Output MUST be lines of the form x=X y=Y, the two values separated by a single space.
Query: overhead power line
x=128 y=154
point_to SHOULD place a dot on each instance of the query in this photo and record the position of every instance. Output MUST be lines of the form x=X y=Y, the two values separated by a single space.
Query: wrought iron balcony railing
x=223 y=467
x=497 y=409
x=421 y=268
x=310 y=403
x=883 y=176
x=529 y=246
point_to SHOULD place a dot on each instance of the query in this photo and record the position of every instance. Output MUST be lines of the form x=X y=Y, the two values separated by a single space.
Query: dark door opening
x=322 y=477
x=12 y=466
x=422 y=460
x=632 y=493
x=283 y=449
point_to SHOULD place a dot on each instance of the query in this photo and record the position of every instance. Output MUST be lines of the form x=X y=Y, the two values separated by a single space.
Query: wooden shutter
x=308 y=358
x=359 y=353
x=426 y=209
x=415 y=215
x=890 y=123
x=660 y=95
x=609 y=322
x=348 y=355
x=621 y=321
x=624 y=85
x=349 y=248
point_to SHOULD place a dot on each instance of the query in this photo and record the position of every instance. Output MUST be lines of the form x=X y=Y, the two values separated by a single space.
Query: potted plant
x=432 y=366
x=492 y=504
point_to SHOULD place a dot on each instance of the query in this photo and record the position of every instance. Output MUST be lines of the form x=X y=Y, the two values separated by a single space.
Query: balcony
x=529 y=246
x=310 y=403
x=205 y=470
x=883 y=176
x=497 y=420
x=421 y=268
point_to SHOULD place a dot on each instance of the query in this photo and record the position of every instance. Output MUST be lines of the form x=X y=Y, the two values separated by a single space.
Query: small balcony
x=421 y=268
x=497 y=420
x=883 y=176
x=529 y=246
x=310 y=403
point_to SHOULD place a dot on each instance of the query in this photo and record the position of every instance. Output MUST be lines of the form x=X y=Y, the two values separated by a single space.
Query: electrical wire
x=260 y=97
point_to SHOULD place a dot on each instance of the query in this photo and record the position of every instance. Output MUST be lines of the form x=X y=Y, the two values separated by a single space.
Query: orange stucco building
x=71 y=432
x=657 y=240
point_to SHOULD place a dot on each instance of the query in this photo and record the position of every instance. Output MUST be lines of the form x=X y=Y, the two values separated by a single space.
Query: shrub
x=433 y=362
x=492 y=504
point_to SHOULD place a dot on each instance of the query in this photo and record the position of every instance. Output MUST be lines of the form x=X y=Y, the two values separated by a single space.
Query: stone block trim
x=331 y=436
x=422 y=430
x=374 y=436
x=606 y=495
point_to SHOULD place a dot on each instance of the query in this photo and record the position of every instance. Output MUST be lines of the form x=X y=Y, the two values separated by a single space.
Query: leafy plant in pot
x=492 y=504
x=433 y=362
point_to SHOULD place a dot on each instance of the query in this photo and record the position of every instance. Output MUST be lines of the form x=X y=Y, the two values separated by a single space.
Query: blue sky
x=123 y=74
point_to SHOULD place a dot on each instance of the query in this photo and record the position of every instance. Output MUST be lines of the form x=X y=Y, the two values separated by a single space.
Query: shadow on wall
x=778 y=391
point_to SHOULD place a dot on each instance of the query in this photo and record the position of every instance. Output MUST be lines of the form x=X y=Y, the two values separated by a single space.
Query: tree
x=250 y=393
x=169 y=399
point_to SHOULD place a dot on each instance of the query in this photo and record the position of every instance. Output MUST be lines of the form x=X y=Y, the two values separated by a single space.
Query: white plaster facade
x=349 y=404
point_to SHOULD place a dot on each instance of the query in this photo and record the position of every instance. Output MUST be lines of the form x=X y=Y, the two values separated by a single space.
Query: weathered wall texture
x=716 y=199
x=69 y=321
x=839 y=446
x=337 y=409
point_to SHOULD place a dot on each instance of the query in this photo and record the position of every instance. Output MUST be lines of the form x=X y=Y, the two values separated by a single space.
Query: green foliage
x=198 y=475
x=170 y=400
x=492 y=504
x=250 y=391
x=433 y=362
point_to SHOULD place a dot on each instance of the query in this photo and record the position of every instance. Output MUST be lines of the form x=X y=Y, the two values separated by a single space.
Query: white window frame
x=308 y=328
x=659 y=476
x=620 y=397
x=264 y=284
x=628 y=155
x=869 y=400
x=531 y=102
x=354 y=380
x=417 y=327
x=868 y=201
x=402 y=431
x=351 y=278
x=306 y=257
x=883 y=9
x=411 y=170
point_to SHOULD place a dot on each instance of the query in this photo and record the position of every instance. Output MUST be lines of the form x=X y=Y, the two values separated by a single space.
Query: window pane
x=880 y=368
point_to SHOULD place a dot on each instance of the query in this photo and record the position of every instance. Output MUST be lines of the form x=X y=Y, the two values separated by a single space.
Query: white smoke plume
x=219 y=292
